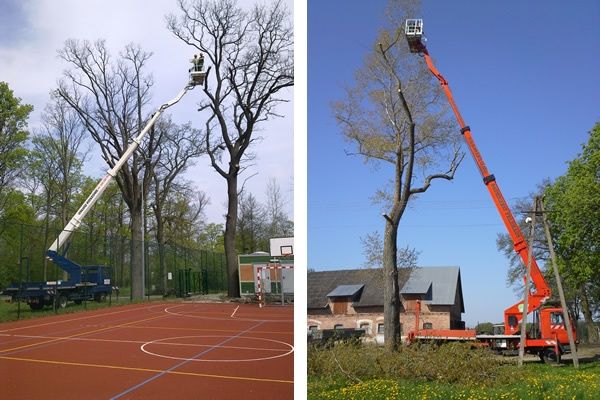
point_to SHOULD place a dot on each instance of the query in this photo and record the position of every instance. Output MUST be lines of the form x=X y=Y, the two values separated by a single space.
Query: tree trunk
x=391 y=293
x=592 y=331
x=160 y=239
x=137 y=273
x=233 y=284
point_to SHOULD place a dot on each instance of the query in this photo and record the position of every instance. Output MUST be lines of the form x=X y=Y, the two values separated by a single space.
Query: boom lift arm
x=197 y=77
x=541 y=291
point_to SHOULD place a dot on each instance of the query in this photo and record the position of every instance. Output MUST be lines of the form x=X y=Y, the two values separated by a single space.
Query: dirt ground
x=585 y=353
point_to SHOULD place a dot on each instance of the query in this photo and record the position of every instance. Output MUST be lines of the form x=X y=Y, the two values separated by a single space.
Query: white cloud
x=30 y=65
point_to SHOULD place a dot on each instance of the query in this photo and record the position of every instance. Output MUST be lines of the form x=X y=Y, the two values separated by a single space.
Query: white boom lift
x=197 y=77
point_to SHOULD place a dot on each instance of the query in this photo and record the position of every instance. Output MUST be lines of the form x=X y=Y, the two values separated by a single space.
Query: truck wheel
x=36 y=306
x=550 y=356
x=62 y=301
x=100 y=297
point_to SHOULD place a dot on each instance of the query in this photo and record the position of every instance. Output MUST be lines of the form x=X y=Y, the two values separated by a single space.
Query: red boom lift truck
x=549 y=339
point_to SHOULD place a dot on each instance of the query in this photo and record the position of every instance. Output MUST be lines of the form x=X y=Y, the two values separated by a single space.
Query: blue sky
x=525 y=77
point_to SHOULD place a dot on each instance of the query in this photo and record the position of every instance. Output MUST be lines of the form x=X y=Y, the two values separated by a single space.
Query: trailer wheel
x=36 y=306
x=62 y=301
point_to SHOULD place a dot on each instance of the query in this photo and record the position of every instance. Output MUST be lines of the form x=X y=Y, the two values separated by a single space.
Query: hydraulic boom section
x=541 y=292
x=197 y=77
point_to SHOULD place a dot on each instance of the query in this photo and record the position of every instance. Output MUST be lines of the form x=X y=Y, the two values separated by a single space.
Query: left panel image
x=146 y=199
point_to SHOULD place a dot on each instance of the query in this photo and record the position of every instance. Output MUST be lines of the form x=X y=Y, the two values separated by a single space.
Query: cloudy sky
x=31 y=32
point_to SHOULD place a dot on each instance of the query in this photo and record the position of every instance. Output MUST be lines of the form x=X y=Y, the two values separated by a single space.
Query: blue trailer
x=90 y=282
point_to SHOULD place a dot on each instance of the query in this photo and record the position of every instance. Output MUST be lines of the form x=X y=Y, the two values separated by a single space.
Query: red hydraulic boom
x=540 y=291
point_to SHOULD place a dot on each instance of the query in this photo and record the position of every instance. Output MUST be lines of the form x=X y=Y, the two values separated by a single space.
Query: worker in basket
x=198 y=62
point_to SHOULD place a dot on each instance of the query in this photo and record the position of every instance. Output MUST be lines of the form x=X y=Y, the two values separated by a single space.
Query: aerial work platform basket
x=413 y=29
x=197 y=72
x=197 y=77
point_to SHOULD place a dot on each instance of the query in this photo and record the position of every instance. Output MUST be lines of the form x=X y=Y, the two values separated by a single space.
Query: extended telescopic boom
x=197 y=76
x=512 y=315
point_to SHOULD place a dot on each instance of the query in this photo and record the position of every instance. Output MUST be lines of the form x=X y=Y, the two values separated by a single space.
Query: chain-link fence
x=169 y=270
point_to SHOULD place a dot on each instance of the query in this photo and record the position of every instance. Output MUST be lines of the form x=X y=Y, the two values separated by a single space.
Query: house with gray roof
x=354 y=299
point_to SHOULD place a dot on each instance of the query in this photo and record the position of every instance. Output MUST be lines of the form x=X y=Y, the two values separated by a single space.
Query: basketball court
x=178 y=350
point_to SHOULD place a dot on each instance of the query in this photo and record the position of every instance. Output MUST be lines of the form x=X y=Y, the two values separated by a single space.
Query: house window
x=380 y=329
x=365 y=326
x=313 y=328
x=427 y=325
x=338 y=326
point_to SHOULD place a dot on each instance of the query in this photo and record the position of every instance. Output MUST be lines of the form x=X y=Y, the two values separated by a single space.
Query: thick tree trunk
x=391 y=293
x=592 y=331
x=233 y=284
x=137 y=275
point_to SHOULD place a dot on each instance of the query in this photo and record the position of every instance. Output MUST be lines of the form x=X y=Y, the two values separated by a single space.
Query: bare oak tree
x=251 y=58
x=56 y=162
x=110 y=98
x=393 y=115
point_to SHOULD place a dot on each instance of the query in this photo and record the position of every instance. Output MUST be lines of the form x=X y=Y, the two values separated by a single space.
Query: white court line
x=284 y=351
x=168 y=311
x=234 y=311
x=145 y=341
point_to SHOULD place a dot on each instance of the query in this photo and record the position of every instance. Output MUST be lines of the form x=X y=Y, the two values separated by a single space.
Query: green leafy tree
x=574 y=205
x=484 y=328
x=13 y=135
x=16 y=233
x=211 y=238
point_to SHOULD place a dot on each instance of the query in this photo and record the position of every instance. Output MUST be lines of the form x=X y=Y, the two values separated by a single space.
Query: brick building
x=354 y=299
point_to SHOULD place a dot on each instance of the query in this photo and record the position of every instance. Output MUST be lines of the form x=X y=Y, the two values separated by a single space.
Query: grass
x=355 y=374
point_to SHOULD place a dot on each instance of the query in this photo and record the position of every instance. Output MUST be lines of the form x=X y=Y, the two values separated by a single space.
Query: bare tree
x=251 y=226
x=180 y=145
x=278 y=222
x=56 y=161
x=251 y=54
x=372 y=243
x=393 y=115
x=110 y=98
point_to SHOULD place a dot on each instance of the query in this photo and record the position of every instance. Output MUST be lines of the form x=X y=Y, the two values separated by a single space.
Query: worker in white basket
x=198 y=62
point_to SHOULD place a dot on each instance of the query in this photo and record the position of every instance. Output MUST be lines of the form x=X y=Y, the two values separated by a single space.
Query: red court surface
x=151 y=351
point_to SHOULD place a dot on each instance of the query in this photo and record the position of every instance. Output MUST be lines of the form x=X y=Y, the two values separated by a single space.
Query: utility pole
x=561 y=293
x=526 y=293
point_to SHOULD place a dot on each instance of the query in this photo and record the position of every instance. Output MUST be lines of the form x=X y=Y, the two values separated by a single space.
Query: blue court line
x=131 y=389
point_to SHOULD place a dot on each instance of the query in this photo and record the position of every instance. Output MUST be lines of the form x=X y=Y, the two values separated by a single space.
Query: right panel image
x=453 y=200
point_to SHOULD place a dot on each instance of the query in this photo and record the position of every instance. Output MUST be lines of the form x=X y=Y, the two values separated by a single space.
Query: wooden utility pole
x=561 y=293
x=526 y=293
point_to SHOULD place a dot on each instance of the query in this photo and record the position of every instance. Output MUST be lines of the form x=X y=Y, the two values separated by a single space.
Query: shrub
x=450 y=363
